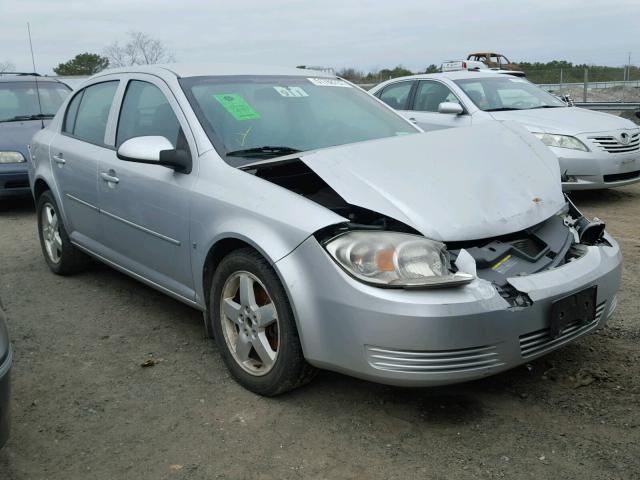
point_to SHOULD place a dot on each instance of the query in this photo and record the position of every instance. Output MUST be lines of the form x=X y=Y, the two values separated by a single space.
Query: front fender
x=228 y=203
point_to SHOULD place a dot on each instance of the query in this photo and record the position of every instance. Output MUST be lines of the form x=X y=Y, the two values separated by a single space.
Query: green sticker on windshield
x=237 y=106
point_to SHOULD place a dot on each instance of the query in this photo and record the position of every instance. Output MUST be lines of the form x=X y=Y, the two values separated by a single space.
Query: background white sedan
x=595 y=149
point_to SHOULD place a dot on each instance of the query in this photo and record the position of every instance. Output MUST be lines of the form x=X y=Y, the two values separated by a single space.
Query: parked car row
x=315 y=227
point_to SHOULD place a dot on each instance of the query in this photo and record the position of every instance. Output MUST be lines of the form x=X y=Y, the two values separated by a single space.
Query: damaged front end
x=560 y=239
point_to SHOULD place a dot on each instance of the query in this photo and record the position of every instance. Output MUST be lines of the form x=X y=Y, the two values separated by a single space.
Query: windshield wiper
x=20 y=118
x=547 y=106
x=265 y=151
x=502 y=109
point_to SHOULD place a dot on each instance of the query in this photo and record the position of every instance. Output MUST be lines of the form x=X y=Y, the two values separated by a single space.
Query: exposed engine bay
x=559 y=239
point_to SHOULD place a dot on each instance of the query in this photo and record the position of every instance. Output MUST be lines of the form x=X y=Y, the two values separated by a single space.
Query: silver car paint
x=433 y=337
x=588 y=167
x=339 y=319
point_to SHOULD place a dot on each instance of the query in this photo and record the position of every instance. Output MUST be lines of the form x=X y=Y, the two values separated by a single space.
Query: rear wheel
x=254 y=325
x=61 y=256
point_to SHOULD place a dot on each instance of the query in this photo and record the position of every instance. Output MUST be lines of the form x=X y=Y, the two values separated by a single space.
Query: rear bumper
x=440 y=336
x=5 y=391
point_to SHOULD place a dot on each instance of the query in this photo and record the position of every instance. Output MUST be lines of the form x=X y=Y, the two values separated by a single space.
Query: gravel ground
x=84 y=408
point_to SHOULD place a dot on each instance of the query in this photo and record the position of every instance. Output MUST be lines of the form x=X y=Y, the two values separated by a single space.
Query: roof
x=215 y=69
x=487 y=53
x=24 y=77
x=455 y=75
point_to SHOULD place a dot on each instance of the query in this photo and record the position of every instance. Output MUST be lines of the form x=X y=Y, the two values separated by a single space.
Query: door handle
x=59 y=159
x=109 y=177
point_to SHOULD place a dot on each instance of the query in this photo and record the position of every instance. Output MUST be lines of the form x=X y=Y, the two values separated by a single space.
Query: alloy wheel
x=51 y=233
x=249 y=323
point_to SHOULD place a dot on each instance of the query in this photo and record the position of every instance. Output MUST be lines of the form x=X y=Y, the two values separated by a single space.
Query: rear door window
x=397 y=95
x=92 y=112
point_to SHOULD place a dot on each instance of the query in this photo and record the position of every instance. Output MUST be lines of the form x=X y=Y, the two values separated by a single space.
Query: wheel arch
x=39 y=187
x=222 y=247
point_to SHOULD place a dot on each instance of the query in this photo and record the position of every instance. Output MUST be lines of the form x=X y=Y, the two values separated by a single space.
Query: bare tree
x=141 y=49
x=7 y=67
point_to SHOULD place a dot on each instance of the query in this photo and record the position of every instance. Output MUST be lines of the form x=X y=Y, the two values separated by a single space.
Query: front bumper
x=5 y=391
x=597 y=169
x=434 y=337
x=14 y=181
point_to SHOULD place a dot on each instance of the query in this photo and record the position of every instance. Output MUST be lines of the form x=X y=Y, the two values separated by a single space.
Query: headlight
x=395 y=260
x=11 y=157
x=561 y=141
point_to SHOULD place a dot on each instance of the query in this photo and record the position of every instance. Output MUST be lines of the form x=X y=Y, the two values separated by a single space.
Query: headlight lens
x=561 y=141
x=393 y=259
x=11 y=157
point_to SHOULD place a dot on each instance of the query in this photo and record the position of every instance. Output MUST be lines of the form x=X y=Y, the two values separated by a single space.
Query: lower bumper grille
x=618 y=177
x=435 y=361
x=540 y=341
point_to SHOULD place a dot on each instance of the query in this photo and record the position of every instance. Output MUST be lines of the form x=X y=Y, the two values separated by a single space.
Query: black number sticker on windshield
x=329 y=82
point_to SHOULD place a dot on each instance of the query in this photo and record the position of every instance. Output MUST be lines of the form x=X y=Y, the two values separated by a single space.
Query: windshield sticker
x=329 y=82
x=237 y=106
x=291 y=91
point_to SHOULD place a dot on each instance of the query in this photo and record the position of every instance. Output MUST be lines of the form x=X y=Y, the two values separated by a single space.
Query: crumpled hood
x=15 y=136
x=456 y=184
x=566 y=121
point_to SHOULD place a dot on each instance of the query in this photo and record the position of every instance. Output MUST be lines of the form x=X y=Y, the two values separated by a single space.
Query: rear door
x=145 y=208
x=75 y=152
x=428 y=96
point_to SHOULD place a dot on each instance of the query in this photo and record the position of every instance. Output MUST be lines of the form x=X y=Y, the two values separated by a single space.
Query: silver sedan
x=314 y=227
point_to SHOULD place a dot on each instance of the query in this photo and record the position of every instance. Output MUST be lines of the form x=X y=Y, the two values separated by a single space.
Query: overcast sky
x=337 y=33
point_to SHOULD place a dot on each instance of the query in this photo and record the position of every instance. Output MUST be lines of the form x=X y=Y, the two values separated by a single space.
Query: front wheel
x=60 y=254
x=254 y=326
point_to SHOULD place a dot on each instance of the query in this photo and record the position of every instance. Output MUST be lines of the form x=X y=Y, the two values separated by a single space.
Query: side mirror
x=155 y=150
x=638 y=114
x=451 y=108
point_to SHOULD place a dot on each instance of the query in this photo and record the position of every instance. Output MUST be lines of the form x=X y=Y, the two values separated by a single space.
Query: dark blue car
x=21 y=115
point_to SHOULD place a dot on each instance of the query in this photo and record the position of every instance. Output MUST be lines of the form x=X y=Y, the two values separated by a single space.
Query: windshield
x=253 y=116
x=19 y=100
x=507 y=93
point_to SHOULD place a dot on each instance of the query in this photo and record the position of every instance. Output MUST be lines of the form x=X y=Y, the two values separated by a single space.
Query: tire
x=255 y=339
x=59 y=253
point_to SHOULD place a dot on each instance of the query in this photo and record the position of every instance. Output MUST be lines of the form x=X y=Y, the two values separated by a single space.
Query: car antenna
x=35 y=75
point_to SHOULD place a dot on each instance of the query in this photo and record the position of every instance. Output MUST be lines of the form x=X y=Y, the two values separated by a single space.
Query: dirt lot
x=84 y=408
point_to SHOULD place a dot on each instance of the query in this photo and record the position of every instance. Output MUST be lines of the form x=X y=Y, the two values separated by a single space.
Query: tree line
x=142 y=49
